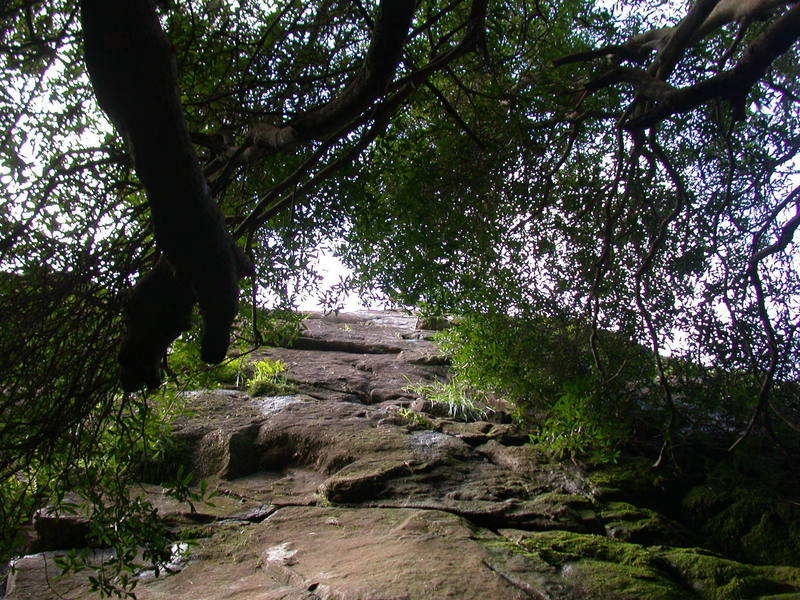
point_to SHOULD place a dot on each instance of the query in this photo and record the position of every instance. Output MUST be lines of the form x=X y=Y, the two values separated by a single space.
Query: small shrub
x=545 y=368
x=414 y=420
x=268 y=379
x=191 y=372
x=582 y=423
x=463 y=404
x=276 y=328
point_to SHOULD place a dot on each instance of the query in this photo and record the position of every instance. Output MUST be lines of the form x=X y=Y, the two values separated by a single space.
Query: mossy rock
x=271 y=387
x=746 y=524
x=594 y=566
x=629 y=523
x=634 y=480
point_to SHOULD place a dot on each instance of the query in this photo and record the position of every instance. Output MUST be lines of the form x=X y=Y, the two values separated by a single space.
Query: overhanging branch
x=379 y=114
x=734 y=85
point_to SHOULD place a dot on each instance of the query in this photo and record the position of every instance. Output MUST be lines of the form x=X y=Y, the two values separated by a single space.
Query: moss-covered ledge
x=596 y=566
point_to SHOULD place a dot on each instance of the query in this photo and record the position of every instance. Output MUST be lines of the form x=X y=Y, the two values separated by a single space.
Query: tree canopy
x=631 y=166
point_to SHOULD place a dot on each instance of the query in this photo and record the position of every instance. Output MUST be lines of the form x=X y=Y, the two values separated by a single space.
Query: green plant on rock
x=582 y=422
x=547 y=369
x=463 y=403
x=599 y=567
x=98 y=487
x=269 y=379
x=185 y=365
x=276 y=328
x=413 y=419
x=181 y=489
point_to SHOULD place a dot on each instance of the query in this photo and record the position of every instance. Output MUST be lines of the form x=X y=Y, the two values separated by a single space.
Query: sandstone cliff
x=352 y=489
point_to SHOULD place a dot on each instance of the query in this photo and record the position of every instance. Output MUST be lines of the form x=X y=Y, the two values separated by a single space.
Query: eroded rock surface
x=334 y=493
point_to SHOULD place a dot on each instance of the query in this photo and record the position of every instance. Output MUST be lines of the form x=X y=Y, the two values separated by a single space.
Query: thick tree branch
x=734 y=85
x=646 y=84
x=400 y=91
x=132 y=69
x=376 y=72
x=680 y=38
x=380 y=64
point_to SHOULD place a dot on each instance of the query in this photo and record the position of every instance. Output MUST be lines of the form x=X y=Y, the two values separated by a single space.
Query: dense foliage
x=482 y=180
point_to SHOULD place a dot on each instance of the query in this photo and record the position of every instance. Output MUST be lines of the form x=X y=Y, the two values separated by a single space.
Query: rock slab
x=343 y=492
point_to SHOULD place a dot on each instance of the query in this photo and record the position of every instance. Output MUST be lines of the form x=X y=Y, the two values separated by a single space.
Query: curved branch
x=681 y=37
x=734 y=85
x=132 y=68
x=400 y=91
x=269 y=206
x=377 y=71
x=681 y=199
x=757 y=256
x=646 y=84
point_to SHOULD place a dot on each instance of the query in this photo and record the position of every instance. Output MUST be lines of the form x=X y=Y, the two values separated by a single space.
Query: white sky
x=332 y=270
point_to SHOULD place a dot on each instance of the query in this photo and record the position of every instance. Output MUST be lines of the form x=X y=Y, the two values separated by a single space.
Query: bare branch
x=734 y=84
x=757 y=256
x=682 y=37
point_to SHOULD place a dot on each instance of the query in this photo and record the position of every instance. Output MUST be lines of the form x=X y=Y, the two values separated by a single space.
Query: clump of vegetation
x=137 y=443
x=547 y=370
x=276 y=328
x=186 y=367
x=600 y=566
x=413 y=419
x=462 y=402
x=581 y=422
x=269 y=379
x=685 y=231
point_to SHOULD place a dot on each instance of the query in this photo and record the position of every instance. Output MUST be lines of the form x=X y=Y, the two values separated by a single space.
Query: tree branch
x=132 y=68
x=646 y=84
x=401 y=90
x=681 y=38
x=734 y=85
x=376 y=72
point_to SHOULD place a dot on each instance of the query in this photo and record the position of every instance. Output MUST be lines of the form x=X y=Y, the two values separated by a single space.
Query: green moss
x=265 y=387
x=415 y=420
x=572 y=500
x=718 y=578
x=630 y=523
x=596 y=579
x=746 y=524
x=632 y=479
x=601 y=567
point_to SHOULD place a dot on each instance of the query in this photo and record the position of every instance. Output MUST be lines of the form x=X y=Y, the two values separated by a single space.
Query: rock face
x=342 y=492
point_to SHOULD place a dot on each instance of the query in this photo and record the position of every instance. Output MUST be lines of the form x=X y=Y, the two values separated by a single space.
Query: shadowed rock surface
x=335 y=493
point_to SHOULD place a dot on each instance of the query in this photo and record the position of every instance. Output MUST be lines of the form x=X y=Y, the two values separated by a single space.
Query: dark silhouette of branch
x=734 y=84
x=757 y=256
x=680 y=38
x=399 y=92
x=132 y=68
